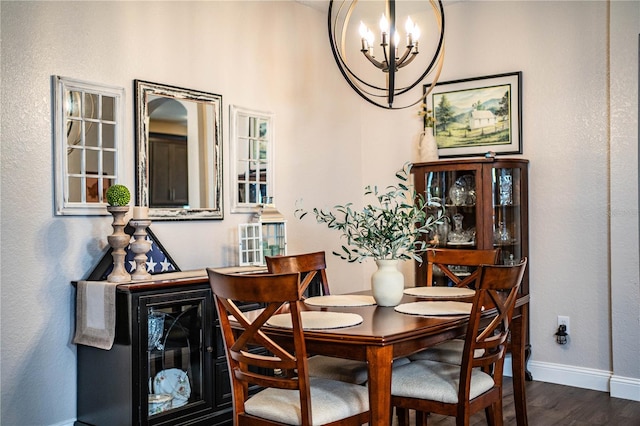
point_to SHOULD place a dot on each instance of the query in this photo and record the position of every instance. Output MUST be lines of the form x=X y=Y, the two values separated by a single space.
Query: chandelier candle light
x=368 y=86
x=413 y=34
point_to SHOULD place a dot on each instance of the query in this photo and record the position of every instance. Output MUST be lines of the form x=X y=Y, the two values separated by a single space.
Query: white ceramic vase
x=387 y=283
x=428 y=147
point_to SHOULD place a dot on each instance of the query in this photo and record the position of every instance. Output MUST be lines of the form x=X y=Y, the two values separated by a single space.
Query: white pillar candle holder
x=140 y=246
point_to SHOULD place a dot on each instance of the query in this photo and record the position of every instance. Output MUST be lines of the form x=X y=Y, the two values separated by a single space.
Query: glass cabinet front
x=176 y=361
x=457 y=191
x=485 y=204
x=507 y=226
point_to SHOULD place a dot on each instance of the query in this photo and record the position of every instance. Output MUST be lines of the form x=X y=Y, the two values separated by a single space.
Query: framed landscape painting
x=477 y=115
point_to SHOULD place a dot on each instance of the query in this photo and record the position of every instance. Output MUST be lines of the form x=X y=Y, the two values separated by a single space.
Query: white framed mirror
x=178 y=152
x=88 y=137
x=252 y=158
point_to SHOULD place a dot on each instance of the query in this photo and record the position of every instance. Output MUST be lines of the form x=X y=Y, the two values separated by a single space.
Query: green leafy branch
x=394 y=225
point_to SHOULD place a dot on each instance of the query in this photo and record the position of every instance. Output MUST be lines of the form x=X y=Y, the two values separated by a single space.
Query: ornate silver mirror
x=179 y=152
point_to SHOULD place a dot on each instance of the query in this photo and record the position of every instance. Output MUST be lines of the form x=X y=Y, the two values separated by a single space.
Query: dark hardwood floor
x=549 y=404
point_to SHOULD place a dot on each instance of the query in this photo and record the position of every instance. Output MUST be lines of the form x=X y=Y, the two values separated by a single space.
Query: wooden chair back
x=444 y=259
x=310 y=265
x=248 y=368
x=496 y=292
x=277 y=367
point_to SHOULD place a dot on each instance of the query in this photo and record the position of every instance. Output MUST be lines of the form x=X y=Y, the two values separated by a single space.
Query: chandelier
x=389 y=79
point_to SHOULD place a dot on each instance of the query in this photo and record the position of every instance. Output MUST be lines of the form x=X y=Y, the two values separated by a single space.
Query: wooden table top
x=383 y=326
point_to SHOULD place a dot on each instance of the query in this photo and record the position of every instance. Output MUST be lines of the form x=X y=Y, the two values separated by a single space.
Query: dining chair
x=310 y=266
x=461 y=390
x=447 y=260
x=289 y=396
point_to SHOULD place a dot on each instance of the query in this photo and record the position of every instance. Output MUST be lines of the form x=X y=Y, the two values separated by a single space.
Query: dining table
x=386 y=334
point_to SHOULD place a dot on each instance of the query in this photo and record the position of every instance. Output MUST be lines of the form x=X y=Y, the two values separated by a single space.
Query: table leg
x=518 y=342
x=379 y=359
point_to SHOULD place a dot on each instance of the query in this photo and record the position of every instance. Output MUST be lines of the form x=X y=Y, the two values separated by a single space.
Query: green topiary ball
x=118 y=195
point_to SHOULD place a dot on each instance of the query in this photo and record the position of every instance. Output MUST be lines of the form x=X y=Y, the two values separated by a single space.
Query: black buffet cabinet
x=167 y=365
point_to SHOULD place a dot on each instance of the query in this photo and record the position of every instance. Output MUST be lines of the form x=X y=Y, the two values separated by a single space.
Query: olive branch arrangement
x=394 y=224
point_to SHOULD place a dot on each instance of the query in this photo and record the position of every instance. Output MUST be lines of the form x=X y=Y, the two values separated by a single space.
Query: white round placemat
x=435 y=308
x=436 y=291
x=341 y=300
x=317 y=320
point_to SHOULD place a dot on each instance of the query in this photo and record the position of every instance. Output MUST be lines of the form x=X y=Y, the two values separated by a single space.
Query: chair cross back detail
x=445 y=258
x=281 y=370
x=475 y=384
x=309 y=264
x=498 y=289
x=275 y=294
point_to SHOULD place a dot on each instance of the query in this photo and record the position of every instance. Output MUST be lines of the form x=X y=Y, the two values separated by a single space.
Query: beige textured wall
x=274 y=56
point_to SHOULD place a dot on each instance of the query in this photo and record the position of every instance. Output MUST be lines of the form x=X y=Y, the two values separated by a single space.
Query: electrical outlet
x=562 y=320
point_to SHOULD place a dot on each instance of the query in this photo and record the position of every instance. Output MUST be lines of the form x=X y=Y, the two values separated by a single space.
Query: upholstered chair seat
x=436 y=381
x=345 y=370
x=449 y=352
x=474 y=382
x=331 y=401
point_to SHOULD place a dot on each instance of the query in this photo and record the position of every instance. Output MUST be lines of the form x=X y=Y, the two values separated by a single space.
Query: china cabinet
x=486 y=204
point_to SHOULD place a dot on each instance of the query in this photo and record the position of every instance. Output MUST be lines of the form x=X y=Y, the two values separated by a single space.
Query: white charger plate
x=435 y=308
x=439 y=291
x=341 y=300
x=317 y=320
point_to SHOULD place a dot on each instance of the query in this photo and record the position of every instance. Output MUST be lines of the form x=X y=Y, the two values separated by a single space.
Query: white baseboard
x=584 y=378
x=625 y=388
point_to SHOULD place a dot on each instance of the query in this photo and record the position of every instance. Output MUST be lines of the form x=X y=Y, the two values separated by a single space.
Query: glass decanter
x=458 y=193
x=502 y=235
x=458 y=235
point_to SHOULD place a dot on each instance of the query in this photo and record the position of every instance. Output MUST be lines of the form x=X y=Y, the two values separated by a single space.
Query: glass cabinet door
x=176 y=353
x=507 y=226
x=457 y=191
x=486 y=205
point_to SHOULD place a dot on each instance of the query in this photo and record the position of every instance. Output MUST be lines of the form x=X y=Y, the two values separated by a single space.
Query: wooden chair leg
x=489 y=413
x=497 y=413
x=403 y=416
x=494 y=414
x=462 y=420
x=421 y=418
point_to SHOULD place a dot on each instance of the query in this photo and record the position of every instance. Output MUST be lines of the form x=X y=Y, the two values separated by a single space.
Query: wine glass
x=156 y=328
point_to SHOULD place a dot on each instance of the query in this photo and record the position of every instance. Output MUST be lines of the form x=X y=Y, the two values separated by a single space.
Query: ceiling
x=323 y=5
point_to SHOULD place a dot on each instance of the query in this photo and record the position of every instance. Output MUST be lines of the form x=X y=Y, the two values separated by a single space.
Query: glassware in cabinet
x=456 y=190
x=507 y=214
x=488 y=196
x=174 y=353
